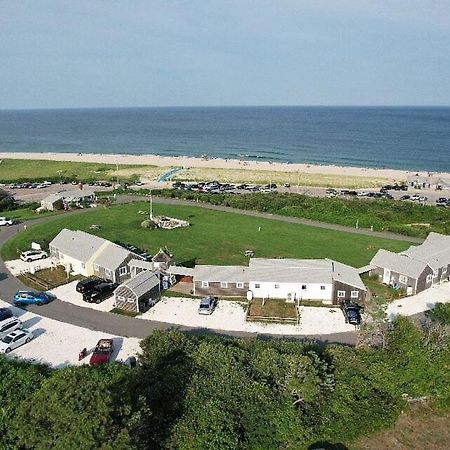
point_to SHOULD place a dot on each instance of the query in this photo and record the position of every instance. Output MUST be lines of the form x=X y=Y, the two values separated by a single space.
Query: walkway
x=168 y=175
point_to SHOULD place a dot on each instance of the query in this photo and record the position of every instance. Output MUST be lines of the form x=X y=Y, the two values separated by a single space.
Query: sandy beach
x=190 y=162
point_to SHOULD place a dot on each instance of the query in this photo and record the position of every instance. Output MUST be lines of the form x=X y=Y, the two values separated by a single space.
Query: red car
x=102 y=353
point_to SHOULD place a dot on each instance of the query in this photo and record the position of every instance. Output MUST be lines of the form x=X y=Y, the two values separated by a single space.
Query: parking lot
x=58 y=343
x=230 y=316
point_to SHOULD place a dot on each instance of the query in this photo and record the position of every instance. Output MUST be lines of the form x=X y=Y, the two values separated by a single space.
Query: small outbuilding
x=139 y=293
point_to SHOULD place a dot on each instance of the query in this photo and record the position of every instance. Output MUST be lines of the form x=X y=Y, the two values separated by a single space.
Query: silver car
x=14 y=340
x=207 y=305
x=9 y=325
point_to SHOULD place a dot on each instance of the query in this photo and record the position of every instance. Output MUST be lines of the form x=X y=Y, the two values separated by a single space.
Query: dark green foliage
x=213 y=393
x=383 y=215
x=441 y=313
x=7 y=201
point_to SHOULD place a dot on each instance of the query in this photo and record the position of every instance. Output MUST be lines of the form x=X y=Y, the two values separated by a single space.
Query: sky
x=63 y=54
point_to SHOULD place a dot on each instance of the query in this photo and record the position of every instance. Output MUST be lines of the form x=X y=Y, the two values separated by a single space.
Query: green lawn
x=213 y=238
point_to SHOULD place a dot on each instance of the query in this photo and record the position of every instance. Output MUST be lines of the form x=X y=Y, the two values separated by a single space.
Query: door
x=386 y=276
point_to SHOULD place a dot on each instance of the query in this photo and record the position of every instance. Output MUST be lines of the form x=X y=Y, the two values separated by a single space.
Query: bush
x=441 y=313
x=148 y=224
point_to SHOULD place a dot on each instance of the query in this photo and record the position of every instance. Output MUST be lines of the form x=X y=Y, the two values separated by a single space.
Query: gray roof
x=290 y=270
x=399 y=263
x=347 y=275
x=142 y=283
x=77 y=244
x=141 y=264
x=112 y=256
x=180 y=270
x=68 y=195
x=231 y=274
x=435 y=251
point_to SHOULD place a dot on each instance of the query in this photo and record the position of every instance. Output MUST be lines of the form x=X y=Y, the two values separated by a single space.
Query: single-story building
x=138 y=293
x=230 y=281
x=86 y=254
x=417 y=268
x=289 y=279
x=62 y=200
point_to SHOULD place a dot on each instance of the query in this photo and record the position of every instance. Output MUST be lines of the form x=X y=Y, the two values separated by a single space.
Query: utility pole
x=150 y=207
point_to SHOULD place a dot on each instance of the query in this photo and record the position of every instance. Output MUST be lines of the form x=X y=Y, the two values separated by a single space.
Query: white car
x=33 y=255
x=14 y=340
x=415 y=197
x=9 y=325
x=5 y=222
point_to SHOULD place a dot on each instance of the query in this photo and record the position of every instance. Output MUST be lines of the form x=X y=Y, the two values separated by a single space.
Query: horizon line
x=220 y=106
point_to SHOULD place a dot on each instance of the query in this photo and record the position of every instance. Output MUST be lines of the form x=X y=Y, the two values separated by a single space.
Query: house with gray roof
x=61 y=200
x=417 y=268
x=86 y=254
x=289 y=279
x=138 y=293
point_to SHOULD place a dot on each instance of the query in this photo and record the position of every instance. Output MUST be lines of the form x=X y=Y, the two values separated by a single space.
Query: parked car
x=207 y=305
x=415 y=197
x=15 y=339
x=88 y=284
x=33 y=255
x=5 y=222
x=351 y=313
x=405 y=197
x=100 y=292
x=5 y=313
x=31 y=298
x=9 y=325
x=441 y=200
x=102 y=352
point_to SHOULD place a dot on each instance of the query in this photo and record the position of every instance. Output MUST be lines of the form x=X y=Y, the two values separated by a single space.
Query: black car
x=88 y=284
x=100 y=292
x=352 y=313
x=5 y=313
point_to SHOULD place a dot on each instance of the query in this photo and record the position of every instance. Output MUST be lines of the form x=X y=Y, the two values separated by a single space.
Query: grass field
x=31 y=170
x=213 y=238
x=421 y=428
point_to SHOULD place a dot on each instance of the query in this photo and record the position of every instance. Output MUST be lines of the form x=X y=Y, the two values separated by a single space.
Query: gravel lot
x=58 y=343
x=230 y=316
x=17 y=266
x=68 y=293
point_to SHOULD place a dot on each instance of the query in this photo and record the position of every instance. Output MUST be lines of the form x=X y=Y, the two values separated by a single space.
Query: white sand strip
x=187 y=162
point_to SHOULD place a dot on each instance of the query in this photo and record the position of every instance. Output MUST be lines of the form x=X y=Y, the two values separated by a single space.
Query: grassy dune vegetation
x=214 y=237
x=267 y=176
x=16 y=170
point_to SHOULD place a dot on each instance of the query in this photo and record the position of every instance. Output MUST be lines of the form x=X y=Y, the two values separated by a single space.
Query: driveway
x=17 y=266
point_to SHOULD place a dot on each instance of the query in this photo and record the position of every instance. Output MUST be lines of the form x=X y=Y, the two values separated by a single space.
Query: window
x=96 y=267
x=429 y=278
x=354 y=294
x=403 y=279
x=322 y=287
x=257 y=285
x=240 y=285
x=341 y=294
x=223 y=284
x=123 y=270
x=205 y=284
x=303 y=287
x=435 y=273
x=108 y=273
x=83 y=265
x=444 y=270
x=277 y=286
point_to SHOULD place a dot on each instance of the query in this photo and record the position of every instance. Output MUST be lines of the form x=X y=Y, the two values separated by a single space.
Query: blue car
x=31 y=298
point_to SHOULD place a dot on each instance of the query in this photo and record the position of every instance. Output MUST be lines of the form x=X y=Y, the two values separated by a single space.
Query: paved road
x=117 y=324
x=297 y=220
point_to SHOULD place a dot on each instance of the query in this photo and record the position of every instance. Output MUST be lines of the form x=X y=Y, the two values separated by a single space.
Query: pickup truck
x=102 y=352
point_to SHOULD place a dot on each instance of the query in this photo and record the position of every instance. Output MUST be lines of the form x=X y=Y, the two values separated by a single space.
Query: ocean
x=407 y=138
